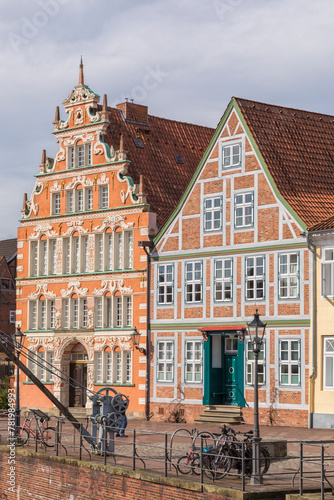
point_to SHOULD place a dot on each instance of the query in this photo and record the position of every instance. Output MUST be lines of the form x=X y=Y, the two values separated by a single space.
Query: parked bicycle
x=37 y=427
x=190 y=462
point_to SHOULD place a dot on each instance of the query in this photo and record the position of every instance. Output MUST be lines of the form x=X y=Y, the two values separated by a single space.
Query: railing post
x=104 y=442
x=243 y=465
x=201 y=463
x=57 y=437
x=322 y=473
x=301 y=468
x=80 y=442
x=36 y=435
x=166 y=455
x=134 y=450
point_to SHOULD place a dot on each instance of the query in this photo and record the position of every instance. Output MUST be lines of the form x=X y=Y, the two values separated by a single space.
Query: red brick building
x=117 y=175
x=234 y=244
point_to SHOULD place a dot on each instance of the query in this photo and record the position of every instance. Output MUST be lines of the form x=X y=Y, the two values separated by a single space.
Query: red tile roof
x=298 y=149
x=165 y=178
x=323 y=225
x=8 y=248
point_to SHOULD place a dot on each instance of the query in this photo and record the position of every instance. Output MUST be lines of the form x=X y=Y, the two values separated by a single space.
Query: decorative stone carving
x=90 y=318
x=80 y=179
x=62 y=125
x=56 y=187
x=74 y=287
x=58 y=319
x=60 y=156
x=111 y=286
x=103 y=180
x=43 y=228
x=113 y=221
x=124 y=343
x=132 y=188
x=93 y=118
x=78 y=117
x=75 y=226
x=31 y=206
x=81 y=93
x=42 y=290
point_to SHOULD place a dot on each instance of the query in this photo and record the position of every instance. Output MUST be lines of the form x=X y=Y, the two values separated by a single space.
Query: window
x=113 y=367
x=76 y=254
x=223 y=280
x=74 y=312
x=113 y=312
x=231 y=155
x=288 y=276
x=41 y=314
x=79 y=200
x=43 y=257
x=244 y=210
x=213 y=213
x=165 y=283
x=165 y=361
x=329 y=363
x=289 y=361
x=56 y=203
x=255 y=277
x=194 y=282
x=328 y=272
x=79 y=156
x=39 y=363
x=12 y=316
x=250 y=369
x=114 y=251
x=193 y=361
x=104 y=196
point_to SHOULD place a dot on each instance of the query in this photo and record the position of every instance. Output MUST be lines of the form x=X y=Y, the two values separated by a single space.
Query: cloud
x=274 y=51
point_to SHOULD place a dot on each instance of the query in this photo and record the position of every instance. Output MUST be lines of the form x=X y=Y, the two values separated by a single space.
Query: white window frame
x=74 y=313
x=55 y=199
x=165 y=284
x=43 y=257
x=255 y=277
x=232 y=151
x=114 y=251
x=327 y=267
x=193 y=282
x=113 y=311
x=328 y=363
x=79 y=156
x=108 y=372
x=250 y=363
x=212 y=215
x=41 y=314
x=165 y=359
x=191 y=362
x=288 y=277
x=104 y=197
x=223 y=280
x=290 y=363
x=247 y=210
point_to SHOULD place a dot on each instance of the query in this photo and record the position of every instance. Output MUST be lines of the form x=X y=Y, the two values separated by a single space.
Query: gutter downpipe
x=148 y=337
x=311 y=248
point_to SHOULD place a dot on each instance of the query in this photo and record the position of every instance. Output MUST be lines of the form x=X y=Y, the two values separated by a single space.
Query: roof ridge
x=237 y=99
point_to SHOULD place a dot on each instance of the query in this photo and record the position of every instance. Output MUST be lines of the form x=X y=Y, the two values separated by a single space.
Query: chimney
x=134 y=112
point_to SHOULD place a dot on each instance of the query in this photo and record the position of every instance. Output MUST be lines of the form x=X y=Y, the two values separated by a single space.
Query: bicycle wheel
x=196 y=464
x=264 y=460
x=184 y=464
x=49 y=436
x=221 y=465
x=22 y=438
x=207 y=467
x=209 y=441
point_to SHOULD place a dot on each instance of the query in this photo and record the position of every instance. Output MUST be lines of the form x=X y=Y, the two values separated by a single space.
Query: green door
x=223 y=370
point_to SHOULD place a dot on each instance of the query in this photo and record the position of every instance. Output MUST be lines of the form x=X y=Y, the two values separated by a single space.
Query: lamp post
x=135 y=341
x=18 y=342
x=256 y=329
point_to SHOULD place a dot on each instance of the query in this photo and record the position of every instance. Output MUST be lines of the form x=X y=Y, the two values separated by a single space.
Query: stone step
x=78 y=412
x=212 y=418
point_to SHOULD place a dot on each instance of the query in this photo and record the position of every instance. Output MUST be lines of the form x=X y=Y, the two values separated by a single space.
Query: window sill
x=28 y=382
x=113 y=384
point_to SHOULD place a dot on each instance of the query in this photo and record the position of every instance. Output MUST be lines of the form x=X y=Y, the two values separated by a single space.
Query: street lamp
x=18 y=342
x=256 y=331
x=135 y=341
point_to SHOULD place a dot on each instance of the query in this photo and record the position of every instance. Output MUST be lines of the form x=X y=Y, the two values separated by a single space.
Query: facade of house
x=116 y=177
x=8 y=254
x=234 y=245
x=320 y=239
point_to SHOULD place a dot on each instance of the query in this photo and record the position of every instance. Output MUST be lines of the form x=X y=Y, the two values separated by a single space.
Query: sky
x=184 y=59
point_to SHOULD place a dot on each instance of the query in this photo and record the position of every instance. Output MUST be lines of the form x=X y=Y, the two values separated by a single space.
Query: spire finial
x=105 y=102
x=44 y=156
x=81 y=73
x=57 y=115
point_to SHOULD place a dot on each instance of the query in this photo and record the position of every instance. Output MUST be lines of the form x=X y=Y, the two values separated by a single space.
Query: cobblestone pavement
x=150 y=438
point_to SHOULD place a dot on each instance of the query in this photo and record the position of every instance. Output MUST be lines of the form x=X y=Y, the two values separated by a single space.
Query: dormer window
x=79 y=156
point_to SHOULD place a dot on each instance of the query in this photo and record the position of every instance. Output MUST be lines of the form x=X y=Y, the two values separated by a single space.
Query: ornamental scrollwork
x=43 y=228
x=113 y=221
x=42 y=290
x=112 y=286
x=74 y=287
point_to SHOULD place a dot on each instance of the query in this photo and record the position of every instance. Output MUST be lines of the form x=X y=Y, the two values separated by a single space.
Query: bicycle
x=42 y=432
x=190 y=462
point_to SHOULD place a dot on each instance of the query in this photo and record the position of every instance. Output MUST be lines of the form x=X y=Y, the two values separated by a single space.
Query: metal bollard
x=134 y=450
